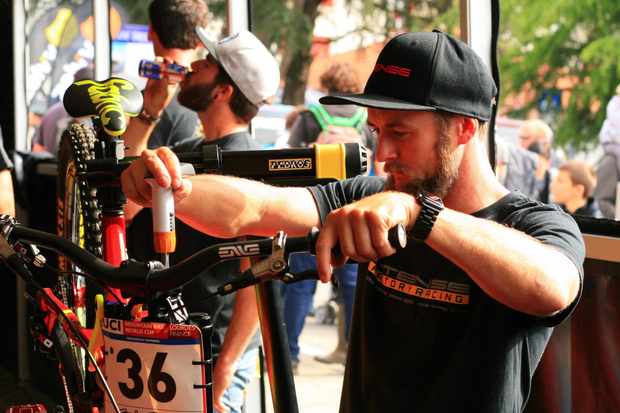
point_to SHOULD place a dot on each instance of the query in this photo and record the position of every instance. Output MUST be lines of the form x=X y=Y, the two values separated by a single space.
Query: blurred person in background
x=515 y=167
x=536 y=136
x=338 y=78
x=56 y=120
x=172 y=26
x=526 y=167
x=572 y=189
x=608 y=169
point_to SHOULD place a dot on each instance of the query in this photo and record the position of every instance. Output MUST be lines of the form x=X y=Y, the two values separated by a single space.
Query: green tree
x=544 y=42
x=289 y=26
x=136 y=11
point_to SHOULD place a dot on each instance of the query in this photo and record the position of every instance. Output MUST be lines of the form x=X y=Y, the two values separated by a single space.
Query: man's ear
x=466 y=129
x=223 y=91
x=581 y=190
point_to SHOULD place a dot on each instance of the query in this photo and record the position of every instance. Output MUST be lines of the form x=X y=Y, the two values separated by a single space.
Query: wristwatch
x=147 y=118
x=431 y=206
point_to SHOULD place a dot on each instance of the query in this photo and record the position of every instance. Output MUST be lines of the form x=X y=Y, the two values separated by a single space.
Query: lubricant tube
x=164 y=237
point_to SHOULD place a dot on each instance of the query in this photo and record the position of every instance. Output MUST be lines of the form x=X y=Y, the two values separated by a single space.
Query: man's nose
x=386 y=149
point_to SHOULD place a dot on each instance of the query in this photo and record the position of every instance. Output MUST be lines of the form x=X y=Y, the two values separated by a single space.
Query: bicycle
x=90 y=203
x=162 y=322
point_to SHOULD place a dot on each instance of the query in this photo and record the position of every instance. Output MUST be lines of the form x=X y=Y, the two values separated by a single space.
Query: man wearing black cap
x=457 y=321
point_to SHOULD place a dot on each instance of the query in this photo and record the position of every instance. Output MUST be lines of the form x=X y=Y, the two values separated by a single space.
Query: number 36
x=155 y=376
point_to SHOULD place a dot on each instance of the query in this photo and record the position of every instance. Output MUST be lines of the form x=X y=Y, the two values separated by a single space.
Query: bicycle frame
x=114 y=244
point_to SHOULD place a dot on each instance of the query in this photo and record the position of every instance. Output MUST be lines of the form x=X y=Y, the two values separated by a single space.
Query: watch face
x=398 y=236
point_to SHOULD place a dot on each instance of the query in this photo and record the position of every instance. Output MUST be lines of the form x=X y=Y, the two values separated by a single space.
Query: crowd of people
x=533 y=167
x=456 y=309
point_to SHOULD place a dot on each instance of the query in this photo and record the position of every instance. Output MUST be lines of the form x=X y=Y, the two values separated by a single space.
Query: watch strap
x=431 y=206
x=146 y=117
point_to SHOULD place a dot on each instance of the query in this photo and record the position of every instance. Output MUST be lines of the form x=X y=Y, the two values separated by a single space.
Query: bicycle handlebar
x=140 y=279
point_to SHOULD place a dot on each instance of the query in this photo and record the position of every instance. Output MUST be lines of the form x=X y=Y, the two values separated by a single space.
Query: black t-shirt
x=190 y=241
x=177 y=123
x=426 y=338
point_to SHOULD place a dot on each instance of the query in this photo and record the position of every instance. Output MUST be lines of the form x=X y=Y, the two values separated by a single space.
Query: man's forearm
x=7 y=199
x=227 y=207
x=137 y=136
x=243 y=326
x=510 y=266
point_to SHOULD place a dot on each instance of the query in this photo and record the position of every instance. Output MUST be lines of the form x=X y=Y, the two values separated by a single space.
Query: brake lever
x=289 y=277
x=7 y=222
x=266 y=269
x=30 y=253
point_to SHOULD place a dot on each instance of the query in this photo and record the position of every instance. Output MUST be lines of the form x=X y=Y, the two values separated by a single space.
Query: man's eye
x=396 y=134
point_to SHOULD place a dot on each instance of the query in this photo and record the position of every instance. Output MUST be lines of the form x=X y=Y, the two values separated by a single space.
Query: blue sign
x=134 y=33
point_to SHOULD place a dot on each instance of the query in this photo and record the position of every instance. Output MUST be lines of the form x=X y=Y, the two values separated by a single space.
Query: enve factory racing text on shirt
x=411 y=288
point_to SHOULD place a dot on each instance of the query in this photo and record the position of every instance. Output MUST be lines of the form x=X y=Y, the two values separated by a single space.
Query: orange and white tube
x=164 y=237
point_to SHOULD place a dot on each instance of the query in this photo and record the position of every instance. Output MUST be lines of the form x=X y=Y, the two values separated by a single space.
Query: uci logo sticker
x=113 y=325
x=238 y=251
x=293 y=164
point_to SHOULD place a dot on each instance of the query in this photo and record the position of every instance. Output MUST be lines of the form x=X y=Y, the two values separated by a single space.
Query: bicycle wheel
x=78 y=220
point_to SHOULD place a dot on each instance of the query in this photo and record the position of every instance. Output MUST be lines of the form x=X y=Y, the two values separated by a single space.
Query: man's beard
x=196 y=97
x=439 y=183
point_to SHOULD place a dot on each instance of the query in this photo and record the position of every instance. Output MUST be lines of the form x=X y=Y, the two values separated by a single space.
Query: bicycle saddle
x=110 y=99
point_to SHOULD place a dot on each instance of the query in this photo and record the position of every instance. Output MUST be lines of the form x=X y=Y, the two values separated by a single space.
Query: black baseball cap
x=426 y=71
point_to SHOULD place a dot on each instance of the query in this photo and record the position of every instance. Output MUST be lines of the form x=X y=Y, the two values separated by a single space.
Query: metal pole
x=20 y=57
x=275 y=343
x=478 y=31
x=238 y=16
x=101 y=14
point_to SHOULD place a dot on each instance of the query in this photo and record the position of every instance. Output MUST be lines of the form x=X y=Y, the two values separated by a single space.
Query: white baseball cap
x=248 y=63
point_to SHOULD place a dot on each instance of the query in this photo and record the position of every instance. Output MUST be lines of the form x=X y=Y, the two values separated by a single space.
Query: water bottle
x=161 y=70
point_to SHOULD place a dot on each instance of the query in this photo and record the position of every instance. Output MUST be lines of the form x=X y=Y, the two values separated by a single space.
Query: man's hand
x=361 y=230
x=158 y=93
x=160 y=164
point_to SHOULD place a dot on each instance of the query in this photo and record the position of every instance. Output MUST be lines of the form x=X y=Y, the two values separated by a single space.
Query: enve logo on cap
x=392 y=70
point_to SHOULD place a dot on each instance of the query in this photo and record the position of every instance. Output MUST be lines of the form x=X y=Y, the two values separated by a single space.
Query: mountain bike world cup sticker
x=151 y=367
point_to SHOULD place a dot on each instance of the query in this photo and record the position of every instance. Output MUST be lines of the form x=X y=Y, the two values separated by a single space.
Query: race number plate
x=149 y=367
